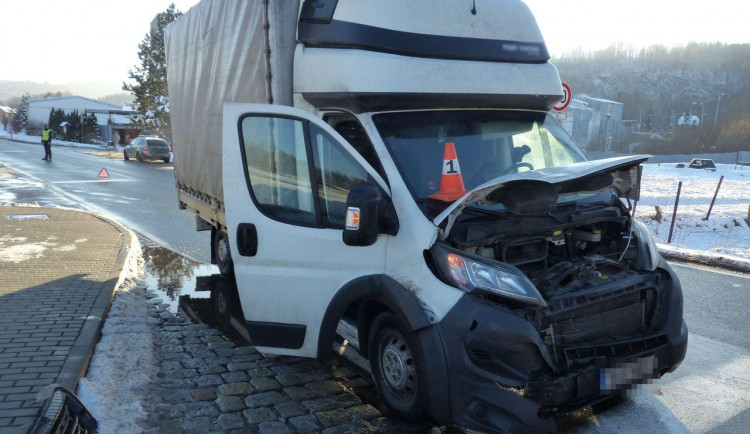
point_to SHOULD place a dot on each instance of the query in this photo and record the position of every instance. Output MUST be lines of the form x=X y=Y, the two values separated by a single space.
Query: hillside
x=657 y=85
x=9 y=89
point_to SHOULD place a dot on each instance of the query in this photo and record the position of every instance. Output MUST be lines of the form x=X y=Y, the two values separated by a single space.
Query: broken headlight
x=648 y=253
x=473 y=273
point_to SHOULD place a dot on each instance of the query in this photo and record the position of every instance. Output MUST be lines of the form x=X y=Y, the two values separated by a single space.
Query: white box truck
x=387 y=171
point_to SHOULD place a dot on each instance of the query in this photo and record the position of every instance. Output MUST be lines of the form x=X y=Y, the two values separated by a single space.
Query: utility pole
x=717 y=108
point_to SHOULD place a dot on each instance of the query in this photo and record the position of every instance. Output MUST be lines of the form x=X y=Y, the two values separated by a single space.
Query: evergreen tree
x=56 y=118
x=90 y=128
x=74 y=131
x=151 y=99
x=21 y=117
x=649 y=122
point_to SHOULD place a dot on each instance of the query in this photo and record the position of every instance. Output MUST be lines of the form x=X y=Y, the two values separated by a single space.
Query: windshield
x=487 y=143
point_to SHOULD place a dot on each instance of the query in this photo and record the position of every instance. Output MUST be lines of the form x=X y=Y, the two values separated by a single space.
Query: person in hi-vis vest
x=47 y=142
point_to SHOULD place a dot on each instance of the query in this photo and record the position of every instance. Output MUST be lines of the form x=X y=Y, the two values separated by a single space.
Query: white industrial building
x=114 y=121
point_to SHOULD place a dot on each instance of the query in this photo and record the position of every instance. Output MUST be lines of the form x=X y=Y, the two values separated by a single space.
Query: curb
x=77 y=362
x=705 y=262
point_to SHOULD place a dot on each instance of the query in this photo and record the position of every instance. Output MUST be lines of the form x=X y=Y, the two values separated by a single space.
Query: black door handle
x=247 y=239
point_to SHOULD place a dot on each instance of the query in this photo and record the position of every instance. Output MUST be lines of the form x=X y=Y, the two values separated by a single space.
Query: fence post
x=714 y=199
x=674 y=212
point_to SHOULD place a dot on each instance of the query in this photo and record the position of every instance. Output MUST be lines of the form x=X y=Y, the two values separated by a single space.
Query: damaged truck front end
x=567 y=299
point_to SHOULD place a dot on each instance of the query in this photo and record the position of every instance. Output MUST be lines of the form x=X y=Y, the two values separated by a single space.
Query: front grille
x=65 y=414
x=615 y=350
x=623 y=321
x=623 y=307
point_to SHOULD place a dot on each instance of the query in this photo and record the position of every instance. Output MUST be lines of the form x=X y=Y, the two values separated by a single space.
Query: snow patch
x=18 y=137
x=21 y=252
x=68 y=248
x=124 y=361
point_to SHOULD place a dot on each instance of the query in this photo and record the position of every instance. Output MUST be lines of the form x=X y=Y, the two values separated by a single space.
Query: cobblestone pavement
x=210 y=384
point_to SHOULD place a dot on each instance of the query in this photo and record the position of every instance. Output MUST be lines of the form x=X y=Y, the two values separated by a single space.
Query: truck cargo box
x=219 y=52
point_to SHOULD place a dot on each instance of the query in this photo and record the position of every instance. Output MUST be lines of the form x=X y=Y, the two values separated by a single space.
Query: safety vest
x=45 y=134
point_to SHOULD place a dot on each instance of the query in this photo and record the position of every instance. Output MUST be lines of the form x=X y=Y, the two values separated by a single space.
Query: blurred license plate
x=626 y=374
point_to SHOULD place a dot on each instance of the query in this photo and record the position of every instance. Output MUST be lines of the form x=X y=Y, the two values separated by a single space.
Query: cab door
x=286 y=176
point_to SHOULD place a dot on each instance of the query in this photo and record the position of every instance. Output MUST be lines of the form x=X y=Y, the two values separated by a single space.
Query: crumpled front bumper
x=492 y=356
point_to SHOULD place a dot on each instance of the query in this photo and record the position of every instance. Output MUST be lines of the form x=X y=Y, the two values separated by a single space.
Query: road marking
x=19 y=152
x=695 y=267
x=92 y=180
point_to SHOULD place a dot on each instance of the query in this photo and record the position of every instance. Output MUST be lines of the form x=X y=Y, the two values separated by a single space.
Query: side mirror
x=369 y=213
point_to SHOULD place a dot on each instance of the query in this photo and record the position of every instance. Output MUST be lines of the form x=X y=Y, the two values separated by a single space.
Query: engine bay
x=584 y=261
x=578 y=241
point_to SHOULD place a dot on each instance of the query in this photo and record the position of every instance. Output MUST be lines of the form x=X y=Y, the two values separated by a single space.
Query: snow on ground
x=724 y=238
x=38 y=140
x=17 y=250
x=9 y=180
x=124 y=361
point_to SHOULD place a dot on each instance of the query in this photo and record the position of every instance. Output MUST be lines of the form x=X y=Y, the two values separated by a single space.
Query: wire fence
x=711 y=213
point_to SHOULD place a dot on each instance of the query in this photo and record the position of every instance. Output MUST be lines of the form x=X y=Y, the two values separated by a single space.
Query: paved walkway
x=58 y=271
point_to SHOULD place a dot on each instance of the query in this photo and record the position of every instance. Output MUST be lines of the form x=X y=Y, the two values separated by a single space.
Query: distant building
x=688 y=121
x=606 y=120
x=114 y=121
x=576 y=120
x=6 y=115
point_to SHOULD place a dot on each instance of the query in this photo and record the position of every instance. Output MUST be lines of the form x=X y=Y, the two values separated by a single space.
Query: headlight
x=472 y=273
x=648 y=253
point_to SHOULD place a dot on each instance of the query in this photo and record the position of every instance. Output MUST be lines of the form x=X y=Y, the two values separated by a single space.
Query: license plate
x=629 y=373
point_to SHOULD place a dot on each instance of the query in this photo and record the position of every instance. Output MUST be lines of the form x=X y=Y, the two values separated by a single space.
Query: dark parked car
x=702 y=163
x=148 y=148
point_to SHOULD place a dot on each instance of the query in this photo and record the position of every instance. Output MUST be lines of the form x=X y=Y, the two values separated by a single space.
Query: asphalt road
x=142 y=196
x=710 y=392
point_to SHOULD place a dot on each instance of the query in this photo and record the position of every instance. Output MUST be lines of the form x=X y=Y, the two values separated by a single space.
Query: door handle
x=247 y=239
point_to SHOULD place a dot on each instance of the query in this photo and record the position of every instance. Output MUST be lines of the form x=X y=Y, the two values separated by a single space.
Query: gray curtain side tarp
x=217 y=53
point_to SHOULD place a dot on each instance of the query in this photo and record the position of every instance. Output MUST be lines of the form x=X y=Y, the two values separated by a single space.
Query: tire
x=222 y=254
x=125 y=155
x=225 y=303
x=395 y=365
x=138 y=156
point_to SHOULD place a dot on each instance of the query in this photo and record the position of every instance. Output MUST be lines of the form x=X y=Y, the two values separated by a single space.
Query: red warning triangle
x=103 y=173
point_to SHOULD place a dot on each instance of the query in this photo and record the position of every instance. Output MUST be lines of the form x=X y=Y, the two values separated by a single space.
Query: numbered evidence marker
x=451 y=183
x=565 y=101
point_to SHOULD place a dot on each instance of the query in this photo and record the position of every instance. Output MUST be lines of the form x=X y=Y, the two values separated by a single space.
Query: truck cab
x=412 y=199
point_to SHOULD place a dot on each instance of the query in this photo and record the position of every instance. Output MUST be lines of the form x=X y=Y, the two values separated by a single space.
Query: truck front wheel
x=222 y=254
x=395 y=366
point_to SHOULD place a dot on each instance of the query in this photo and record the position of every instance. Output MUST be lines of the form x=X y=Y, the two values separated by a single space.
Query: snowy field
x=724 y=238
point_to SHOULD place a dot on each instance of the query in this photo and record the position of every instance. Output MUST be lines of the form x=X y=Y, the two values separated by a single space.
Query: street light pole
x=717 y=108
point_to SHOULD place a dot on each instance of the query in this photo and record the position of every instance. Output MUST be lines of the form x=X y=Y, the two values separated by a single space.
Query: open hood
x=537 y=191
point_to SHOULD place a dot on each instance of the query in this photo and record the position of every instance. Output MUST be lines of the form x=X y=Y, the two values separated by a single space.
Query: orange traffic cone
x=452 y=183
